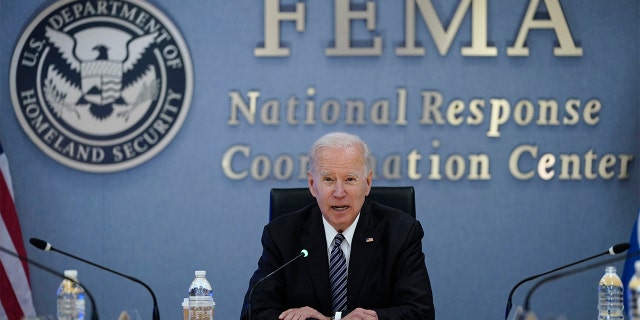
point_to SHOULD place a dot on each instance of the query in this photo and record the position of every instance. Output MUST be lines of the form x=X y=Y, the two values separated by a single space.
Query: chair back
x=285 y=200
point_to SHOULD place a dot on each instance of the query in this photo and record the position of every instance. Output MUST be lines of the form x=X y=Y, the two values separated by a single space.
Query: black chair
x=285 y=200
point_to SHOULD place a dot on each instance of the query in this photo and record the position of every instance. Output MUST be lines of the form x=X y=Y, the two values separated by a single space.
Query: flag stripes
x=15 y=290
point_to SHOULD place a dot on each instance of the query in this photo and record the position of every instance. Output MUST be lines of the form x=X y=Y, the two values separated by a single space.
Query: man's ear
x=311 y=184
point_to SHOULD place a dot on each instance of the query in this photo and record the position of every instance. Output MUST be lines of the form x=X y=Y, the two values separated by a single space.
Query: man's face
x=339 y=183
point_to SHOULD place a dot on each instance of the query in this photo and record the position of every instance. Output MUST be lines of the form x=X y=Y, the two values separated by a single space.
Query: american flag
x=15 y=291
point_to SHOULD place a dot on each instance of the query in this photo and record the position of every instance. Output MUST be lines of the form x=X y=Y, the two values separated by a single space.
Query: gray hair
x=339 y=140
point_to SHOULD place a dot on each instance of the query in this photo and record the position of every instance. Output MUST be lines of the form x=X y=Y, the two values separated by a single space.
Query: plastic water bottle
x=634 y=288
x=200 y=298
x=610 y=296
x=70 y=298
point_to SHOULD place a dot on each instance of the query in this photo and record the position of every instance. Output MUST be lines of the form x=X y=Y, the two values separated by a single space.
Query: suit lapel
x=363 y=247
x=313 y=239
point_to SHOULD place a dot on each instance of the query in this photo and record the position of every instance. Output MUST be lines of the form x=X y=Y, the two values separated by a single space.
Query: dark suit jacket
x=387 y=271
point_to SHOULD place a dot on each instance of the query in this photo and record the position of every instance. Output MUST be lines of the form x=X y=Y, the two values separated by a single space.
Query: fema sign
x=101 y=86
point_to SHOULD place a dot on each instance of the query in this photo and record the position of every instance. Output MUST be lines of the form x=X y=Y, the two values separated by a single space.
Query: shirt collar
x=331 y=233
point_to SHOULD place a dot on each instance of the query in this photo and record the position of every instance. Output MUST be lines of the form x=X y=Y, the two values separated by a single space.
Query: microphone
x=94 y=314
x=304 y=253
x=46 y=246
x=618 y=248
x=572 y=272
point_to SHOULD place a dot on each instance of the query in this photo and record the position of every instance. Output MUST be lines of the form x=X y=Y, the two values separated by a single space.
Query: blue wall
x=181 y=211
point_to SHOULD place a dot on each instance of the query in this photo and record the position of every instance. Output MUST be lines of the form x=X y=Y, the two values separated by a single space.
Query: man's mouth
x=339 y=208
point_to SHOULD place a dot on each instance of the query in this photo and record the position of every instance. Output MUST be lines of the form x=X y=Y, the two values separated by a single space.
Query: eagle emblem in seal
x=101 y=86
x=103 y=76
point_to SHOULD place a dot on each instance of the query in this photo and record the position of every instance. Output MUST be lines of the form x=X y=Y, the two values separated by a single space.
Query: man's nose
x=338 y=191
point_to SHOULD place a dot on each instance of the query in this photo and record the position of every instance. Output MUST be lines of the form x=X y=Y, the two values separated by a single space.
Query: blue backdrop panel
x=202 y=201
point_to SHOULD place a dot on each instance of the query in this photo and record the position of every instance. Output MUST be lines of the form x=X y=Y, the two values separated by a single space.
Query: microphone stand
x=94 y=314
x=571 y=272
x=619 y=248
x=303 y=253
x=156 y=312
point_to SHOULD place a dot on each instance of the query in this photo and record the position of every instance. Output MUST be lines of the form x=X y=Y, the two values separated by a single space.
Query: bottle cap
x=73 y=274
x=201 y=273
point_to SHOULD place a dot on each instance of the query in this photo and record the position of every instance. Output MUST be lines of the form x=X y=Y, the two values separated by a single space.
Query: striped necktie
x=338 y=275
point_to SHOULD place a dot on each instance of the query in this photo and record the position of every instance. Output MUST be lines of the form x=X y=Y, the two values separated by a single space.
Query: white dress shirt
x=331 y=233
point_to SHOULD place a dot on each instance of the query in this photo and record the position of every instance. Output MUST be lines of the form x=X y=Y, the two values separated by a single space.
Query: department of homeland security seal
x=101 y=86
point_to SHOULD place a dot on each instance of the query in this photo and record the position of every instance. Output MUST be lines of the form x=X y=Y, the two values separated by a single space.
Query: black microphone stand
x=571 y=272
x=94 y=314
x=619 y=248
x=38 y=244
x=303 y=253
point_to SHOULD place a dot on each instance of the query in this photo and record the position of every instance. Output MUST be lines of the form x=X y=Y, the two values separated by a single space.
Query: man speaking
x=365 y=260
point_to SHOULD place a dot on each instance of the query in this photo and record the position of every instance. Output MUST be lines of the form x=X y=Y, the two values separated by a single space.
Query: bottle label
x=635 y=304
x=610 y=302
x=201 y=312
